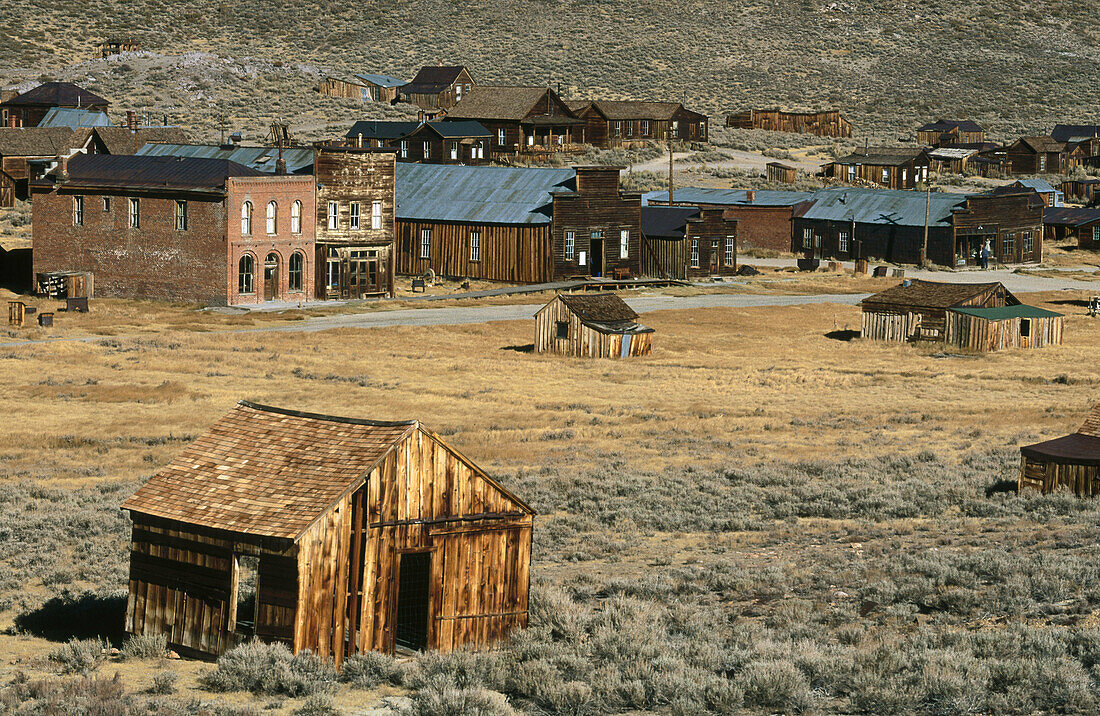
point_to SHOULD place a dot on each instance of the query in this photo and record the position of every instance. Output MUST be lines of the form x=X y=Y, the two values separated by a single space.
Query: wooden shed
x=360 y=535
x=994 y=329
x=591 y=326
x=780 y=173
x=917 y=310
x=1071 y=461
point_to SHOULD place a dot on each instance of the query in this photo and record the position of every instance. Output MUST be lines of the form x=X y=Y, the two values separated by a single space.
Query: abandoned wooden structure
x=437 y=88
x=356 y=196
x=780 y=173
x=26 y=154
x=979 y=316
x=950 y=132
x=445 y=143
x=1081 y=191
x=28 y=109
x=951 y=160
x=591 y=326
x=889 y=167
x=361 y=536
x=1071 y=462
x=116 y=46
x=365 y=87
x=626 y=123
x=522 y=120
x=1080 y=225
x=684 y=242
x=1010 y=218
x=1039 y=155
x=830 y=123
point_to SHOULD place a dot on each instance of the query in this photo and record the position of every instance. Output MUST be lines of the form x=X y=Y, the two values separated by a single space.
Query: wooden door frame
x=395 y=589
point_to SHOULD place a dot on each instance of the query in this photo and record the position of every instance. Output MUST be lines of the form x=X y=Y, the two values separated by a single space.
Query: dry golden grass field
x=758 y=517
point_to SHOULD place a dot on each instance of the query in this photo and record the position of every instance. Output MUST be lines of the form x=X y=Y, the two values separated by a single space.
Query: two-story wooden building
x=437 y=89
x=1010 y=218
x=617 y=123
x=355 y=221
x=950 y=133
x=1038 y=155
x=28 y=109
x=683 y=242
x=889 y=167
x=522 y=120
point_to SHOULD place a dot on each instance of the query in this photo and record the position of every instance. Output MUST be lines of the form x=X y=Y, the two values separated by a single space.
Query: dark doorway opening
x=271 y=277
x=596 y=261
x=411 y=631
x=247 y=579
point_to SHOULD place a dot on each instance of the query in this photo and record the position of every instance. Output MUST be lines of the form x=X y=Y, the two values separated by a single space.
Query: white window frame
x=475 y=246
x=181 y=216
x=502 y=137
x=271 y=217
x=807 y=238
x=404 y=149
x=645 y=127
x=571 y=244
x=885 y=175
x=296 y=217
x=427 y=149
x=135 y=213
x=246 y=218
x=1096 y=233
x=454 y=151
x=353 y=216
x=851 y=172
x=376 y=215
x=1029 y=242
x=333 y=215
x=842 y=241
x=729 y=257
x=695 y=253
x=78 y=211
x=425 y=243
x=624 y=243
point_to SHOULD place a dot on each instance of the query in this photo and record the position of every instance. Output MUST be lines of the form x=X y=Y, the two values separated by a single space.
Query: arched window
x=296 y=217
x=294 y=275
x=246 y=218
x=272 y=210
x=246 y=270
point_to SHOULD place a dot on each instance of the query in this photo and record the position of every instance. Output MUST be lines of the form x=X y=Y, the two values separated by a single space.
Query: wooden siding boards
x=830 y=123
x=1007 y=221
x=333 y=588
x=981 y=334
x=1071 y=462
x=512 y=253
x=585 y=339
x=597 y=206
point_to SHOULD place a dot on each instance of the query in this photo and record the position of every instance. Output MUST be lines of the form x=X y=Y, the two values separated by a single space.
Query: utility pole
x=927 y=217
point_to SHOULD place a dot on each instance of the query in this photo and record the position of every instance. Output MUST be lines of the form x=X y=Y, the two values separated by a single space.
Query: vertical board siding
x=583 y=341
x=1082 y=480
x=517 y=254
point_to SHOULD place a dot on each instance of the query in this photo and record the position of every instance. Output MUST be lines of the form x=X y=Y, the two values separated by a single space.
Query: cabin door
x=714 y=257
x=413 y=593
x=595 y=245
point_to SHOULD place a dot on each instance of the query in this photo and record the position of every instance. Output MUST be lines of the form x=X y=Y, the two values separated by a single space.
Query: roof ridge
x=322 y=416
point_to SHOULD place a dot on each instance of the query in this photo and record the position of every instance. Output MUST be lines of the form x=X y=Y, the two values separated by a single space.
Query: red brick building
x=197 y=230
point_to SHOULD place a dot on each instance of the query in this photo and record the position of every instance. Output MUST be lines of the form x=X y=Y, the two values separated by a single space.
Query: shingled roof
x=121 y=140
x=632 y=109
x=58 y=94
x=503 y=103
x=604 y=312
x=433 y=79
x=267 y=471
x=915 y=293
x=882 y=156
x=37 y=141
x=1042 y=144
x=1079 y=448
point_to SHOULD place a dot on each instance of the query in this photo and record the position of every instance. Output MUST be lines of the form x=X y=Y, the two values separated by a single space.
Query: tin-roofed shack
x=1071 y=462
x=591 y=326
x=362 y=536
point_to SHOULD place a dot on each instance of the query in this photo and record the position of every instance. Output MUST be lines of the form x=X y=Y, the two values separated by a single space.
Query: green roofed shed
x=1000 y=313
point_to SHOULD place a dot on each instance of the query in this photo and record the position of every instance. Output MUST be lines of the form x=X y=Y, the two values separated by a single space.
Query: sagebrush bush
x=270 y=669
x=370 y=669
x=439 y=695
x=317 y=705
x=164 y=682
x=79 y=656
x=775 y=684
x=144 y=646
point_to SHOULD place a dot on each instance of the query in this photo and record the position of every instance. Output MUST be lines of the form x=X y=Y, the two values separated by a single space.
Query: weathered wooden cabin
x=950 y=132
x=1082 y=191
x=522 y=120
x=436 y=89
x=591 y=326
x=28 y=109
x=25 y=154
x=1076 y=224
x=889 y=167
x=830 y=123
x=1071 y=462
x=1038 y=155
x=780 y=173
x=980 y=316
x=358 y=535
x=951 y=160
x=683 y=242
x=365 y=87
x=1010 y=218
x=116 y=46
x=626 y=123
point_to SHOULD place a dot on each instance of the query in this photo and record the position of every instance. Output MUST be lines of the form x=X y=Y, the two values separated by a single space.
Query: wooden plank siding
x=824 y=124
x=980 y=334
x=1082 y=480
x=665 y=258
x=515 y=253
x=583 y=341
x=598 y=211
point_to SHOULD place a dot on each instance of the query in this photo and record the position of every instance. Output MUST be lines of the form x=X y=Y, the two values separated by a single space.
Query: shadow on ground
x=845 y=335
x=77 y=616
x=525 y=348
x=1002 y=486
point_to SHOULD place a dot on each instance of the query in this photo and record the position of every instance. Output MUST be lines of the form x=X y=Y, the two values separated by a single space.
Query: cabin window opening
x=294 y=274
x=617 y=128
x=807 y=238
x=454 y=151
x=135 y=214
x=404 y=149
x=1042 y=162
x=1009 y=247
x=333 y=269
x=851 y=172
x=376 y=215
x=729 y=251
x=78 y=211
x=645 y=127
x=245 y=274
x=570 y=244
x=333 y=215
x=427 y=149
x=247 y=568
x=1096 y=233
x=695 y=253
x=842 y=242
x=561 y=330
x=246 y=218
x=413 y=590
x=1029 y=243
x=501 y=138
x=296 y=217
x=904 y=175
x=425 y=243
x=1025 y=328
x=624 y=243
x=885 y=176
x=475 y=245
x=106 y=203
x=181 y=216
x=354 y=216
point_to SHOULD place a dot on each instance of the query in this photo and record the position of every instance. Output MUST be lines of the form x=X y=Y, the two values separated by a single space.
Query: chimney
x=750 y=196
x=13 y=121
x=131 y=120
x=62 y=168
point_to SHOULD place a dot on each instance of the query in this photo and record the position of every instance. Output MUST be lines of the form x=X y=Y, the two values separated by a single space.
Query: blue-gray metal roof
x=489 y=195
x=882 y=206
x=1039 y=185
x=374 y=129
x=298 y=159
x=728 y=197
x=75 y=118
x=382 y=80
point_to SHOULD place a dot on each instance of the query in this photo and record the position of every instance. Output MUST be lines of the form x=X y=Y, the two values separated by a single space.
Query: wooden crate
x=17 y=313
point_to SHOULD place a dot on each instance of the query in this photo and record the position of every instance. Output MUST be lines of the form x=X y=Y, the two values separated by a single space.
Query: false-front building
x=358 y=535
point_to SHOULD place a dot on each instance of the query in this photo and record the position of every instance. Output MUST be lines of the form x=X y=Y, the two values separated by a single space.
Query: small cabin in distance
x=591 y=326
x=1070 y=462
x=780 y=173
x=361 y=535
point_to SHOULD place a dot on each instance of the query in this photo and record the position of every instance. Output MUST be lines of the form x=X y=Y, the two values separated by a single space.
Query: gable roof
x=75 y=118
x=267 y=471
x=1042 y=144
x=946 y=125
x=728 y=197
x=1040 y=185
x=632 y=109
x=36 y=141
x=1074 y=132
x=121 y=140
x=457 y=130
x=916 y=293
x=508 y=103
x=1069 y=216
x=667 y=222
x=433 y=79
x=948 y=153
x=372 y=129
x=604 y=312
x=262 y=159
x=57 y=94
x=882 y=156
x=144 y=172
x=471 y=194
x=1079 y=448
x=381 y=80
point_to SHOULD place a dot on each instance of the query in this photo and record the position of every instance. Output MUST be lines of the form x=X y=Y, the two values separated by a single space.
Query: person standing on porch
x=987 y=251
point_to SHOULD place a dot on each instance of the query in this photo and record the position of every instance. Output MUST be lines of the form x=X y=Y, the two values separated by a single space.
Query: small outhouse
x=357 y=535
x=591 y=326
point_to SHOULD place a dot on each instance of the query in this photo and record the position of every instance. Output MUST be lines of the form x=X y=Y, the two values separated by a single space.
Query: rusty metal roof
x=267 y=471
x=263 y=159
x=1069 y=216
x=486 y=195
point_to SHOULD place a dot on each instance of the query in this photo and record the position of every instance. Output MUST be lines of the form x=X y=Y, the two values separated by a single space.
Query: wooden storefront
x=591 y=326
x=1071 y=462
x=360 y=535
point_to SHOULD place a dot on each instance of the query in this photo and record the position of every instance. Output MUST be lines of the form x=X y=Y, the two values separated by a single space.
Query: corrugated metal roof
x=382 y=80
x=1039 y=185
x=110 y=170
x=490 y=195
x=883 y=206
x=298 y=159
x=951 y=153
x=75 y=118
x=1069 y=216
x=728 y=197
